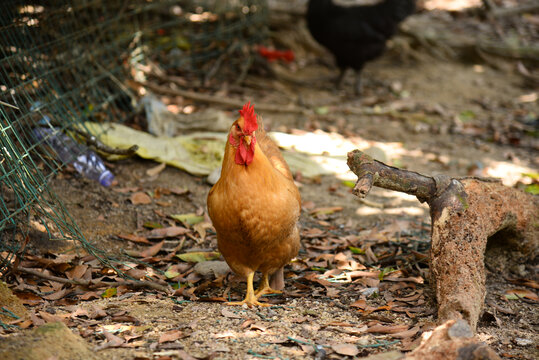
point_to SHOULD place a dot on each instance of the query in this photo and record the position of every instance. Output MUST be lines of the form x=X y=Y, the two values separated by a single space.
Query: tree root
x=452 y=340
x=465 y=213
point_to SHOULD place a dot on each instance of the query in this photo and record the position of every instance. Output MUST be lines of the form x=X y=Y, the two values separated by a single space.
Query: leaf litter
x=330 y=268
x=353 y=290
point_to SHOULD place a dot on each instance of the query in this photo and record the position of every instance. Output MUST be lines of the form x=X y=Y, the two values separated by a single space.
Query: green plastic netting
x=69 y=62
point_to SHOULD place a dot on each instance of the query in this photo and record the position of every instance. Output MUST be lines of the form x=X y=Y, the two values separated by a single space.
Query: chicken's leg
x=265 y=287
x=341 y=79
x=276 y=279
x=250 y=298
x=357 y=88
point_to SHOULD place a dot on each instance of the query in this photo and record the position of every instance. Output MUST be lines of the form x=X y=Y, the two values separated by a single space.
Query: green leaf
x=199 y=256
x=534 y=176
x=170 y=274
x=511 y=296
x=322 y=110
x=466 y=115
x=109 y=293
x=317 y=268
x=398 y=163
x=384 y=272
x=349 y=183
x=356 y=250
x=532 y=189
x=188 y=219
x=152 y=225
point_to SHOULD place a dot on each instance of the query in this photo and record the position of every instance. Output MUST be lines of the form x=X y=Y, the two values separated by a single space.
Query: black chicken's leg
x=357 y=87
x=340 y=79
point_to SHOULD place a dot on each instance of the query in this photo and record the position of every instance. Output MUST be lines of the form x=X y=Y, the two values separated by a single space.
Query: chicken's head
x=242 y=135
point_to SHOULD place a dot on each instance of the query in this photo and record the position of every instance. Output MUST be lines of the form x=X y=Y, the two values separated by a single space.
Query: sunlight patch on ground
x=407 y=210
x=451 y=5
x=328 y=151
x=509 y=173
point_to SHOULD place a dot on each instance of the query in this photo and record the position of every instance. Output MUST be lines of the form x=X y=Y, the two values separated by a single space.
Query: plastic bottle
x=83 y=159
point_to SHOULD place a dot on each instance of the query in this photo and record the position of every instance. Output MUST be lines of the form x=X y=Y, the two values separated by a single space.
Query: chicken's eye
x=238 y=127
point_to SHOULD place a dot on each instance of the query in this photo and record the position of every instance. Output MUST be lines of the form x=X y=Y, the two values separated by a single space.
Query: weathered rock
x=452 y=341
x=209 y=268
x=50 y=341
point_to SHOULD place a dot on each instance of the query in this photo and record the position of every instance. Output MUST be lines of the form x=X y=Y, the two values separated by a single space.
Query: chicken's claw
x=250 y=298
x=249 y=303
x=265 y=288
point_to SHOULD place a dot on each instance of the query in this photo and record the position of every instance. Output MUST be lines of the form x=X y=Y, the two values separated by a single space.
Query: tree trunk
x=465 y=213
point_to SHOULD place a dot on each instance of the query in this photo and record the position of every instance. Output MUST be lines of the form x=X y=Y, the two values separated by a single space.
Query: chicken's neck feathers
x=259 y=170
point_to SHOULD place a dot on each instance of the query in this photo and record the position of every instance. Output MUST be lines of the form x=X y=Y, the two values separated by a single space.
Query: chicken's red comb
x=248 y=114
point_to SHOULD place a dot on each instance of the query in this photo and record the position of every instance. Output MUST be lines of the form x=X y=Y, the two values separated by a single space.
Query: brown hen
x=255 y=207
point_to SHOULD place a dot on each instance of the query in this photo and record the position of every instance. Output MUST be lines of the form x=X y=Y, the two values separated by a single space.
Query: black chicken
x=355 y=34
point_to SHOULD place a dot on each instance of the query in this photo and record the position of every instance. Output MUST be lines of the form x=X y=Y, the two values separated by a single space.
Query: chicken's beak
x=247 y=139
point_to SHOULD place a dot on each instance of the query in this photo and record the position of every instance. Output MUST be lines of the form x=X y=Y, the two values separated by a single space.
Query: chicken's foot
x=264 y=288
x=250 y=298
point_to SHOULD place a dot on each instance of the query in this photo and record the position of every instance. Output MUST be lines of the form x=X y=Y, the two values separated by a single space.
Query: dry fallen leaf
x=50 y=317
x=525 y=282
x=112 y=341
x=77 y=272
x=134 y=238
x=406 y=333
x=152 y=250
x=171 y=231
x=36 y=320
x=200 y=228
x=169 y=336
x=126 y=190
x=140 y=198
x=345 y=349
x=89 y=296
x=325 y=210
x=230 y=314
x=156 y=170
x=57 y=295
x=521 y=293
x=387 y=329
x=360 y=304
x=80 y=312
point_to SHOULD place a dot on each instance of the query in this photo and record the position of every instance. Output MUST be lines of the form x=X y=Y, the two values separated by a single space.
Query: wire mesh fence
x=66 y=62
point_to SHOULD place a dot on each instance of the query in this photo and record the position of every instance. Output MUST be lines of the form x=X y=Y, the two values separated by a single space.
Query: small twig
x=90 y=283
x=244 y=70
x=372 y=204
x=503 y=12
x=509 y=51
x=217 y=64
x=222 y=101
x=371 y=173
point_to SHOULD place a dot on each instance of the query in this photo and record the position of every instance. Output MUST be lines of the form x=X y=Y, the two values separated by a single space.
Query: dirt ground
x=449 y=117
